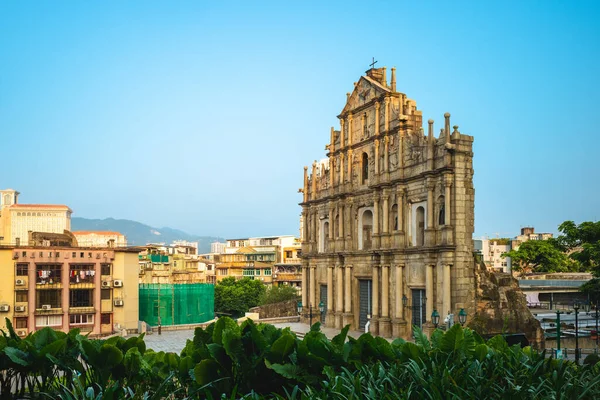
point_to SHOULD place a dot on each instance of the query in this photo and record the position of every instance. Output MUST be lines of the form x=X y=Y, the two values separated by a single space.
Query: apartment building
x=66 y=287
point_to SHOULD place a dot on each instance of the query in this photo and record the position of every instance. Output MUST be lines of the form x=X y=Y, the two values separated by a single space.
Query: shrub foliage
x=250 y=361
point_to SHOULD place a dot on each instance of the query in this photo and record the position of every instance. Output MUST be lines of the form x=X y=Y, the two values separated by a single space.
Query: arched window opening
x=420 y=226
x=365 y=168
x=367 y=229
x=395 y=217
x=325 y=236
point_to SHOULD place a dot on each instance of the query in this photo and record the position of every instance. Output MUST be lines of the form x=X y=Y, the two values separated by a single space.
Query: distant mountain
x=139 y=234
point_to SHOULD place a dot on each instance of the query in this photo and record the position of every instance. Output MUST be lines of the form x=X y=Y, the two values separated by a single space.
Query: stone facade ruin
x=388 y=217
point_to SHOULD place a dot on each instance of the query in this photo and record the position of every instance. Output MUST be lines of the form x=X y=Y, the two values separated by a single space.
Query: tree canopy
x=582 y=242
x=540 y=256
x=277 y=294
x=235 y=297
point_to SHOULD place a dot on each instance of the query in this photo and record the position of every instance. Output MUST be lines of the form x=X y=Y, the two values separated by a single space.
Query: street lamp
x=435 y=318
x=558 y=353
x=462 y=316
x=576 y=307
x=404 y=300
x=300 y=307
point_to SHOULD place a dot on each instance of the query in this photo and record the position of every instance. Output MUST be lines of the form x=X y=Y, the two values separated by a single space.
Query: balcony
x=292 y=261
x=51 y=311
x=82 y=310
x=287 y=277
x=48 y=285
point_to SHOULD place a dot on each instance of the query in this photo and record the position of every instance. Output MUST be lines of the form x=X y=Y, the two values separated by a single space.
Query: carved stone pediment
x=365 y=90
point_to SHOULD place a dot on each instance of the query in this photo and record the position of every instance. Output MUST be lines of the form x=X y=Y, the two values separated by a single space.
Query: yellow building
x=17 y=220
x=174 y=264
x=65 y=287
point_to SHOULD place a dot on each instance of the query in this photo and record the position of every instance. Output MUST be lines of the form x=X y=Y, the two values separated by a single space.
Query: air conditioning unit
x=20 y=282
x=46 y=307
x=118 y=303
x=4 y=308
x=118 y=283
x=106 y=284
x=22 y=332
x=15 y=255
x=19 y=308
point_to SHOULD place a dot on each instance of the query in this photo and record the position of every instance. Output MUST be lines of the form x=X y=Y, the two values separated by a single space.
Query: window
x=73 y=254
x=105 y=269
x=249 y=273
x=21 y=296
x=105 y=294
x=288 y=254
x=366 y=229
x=105 y=319
x=268 y=272
x=48 y=274
x=22 y=269
x=365 y=168
x=222 y=271
x=257 y=272
x=82 y=273
x=81 y=298
x=48 y=320
x=48 y=297
x=81 y=255
x=81 y=319
x=420 y=226
x=20 y=323
x=24 y=254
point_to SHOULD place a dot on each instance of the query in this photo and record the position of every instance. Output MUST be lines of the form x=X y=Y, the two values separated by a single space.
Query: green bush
x=250 y=361
x=278 y=294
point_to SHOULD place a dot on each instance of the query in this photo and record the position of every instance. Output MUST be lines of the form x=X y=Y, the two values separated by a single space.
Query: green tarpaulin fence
x=177 y=304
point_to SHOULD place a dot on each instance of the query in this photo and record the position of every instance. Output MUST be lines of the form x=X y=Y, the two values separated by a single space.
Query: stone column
x=374 y=325
x=350 y=138
x=386 y=110
x=349 y=161
x=429 y=230
x=429 y=292
x=339 y=293
x=330 y=229
x=386 y=154
x=446 y=306
x=341 y=182
x=305 y=190
x=399 y=323
x=342 y=133
x=386 y=215
x=331 y=171
x=312 y=285
x=348 y=296
x=313 y=177
x=330 y=316
x=384 y=321
x=377 y=106
x=430 y=208
x=376 y=157
x=341 y=218
x=447 y=195
x=304 y=286
x=376 y=239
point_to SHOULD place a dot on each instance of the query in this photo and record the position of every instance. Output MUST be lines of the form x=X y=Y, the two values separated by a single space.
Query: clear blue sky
x=201 y=115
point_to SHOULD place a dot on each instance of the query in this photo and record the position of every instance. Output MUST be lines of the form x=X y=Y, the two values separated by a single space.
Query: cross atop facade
x=373 y=63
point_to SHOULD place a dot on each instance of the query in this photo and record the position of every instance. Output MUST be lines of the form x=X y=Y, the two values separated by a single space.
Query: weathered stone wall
x=501 y=307
x=283 y=309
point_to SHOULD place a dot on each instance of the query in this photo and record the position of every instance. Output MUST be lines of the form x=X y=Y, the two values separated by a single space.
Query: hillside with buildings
x=140 y=234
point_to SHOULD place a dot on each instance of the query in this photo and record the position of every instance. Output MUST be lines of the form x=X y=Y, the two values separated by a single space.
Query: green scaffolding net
x=177 y=304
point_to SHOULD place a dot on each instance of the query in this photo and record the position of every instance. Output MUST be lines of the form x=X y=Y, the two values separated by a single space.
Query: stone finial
x=447 y=115
x=393 y=83
x=430 y=133
x=447 y=126
x=384 y=79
